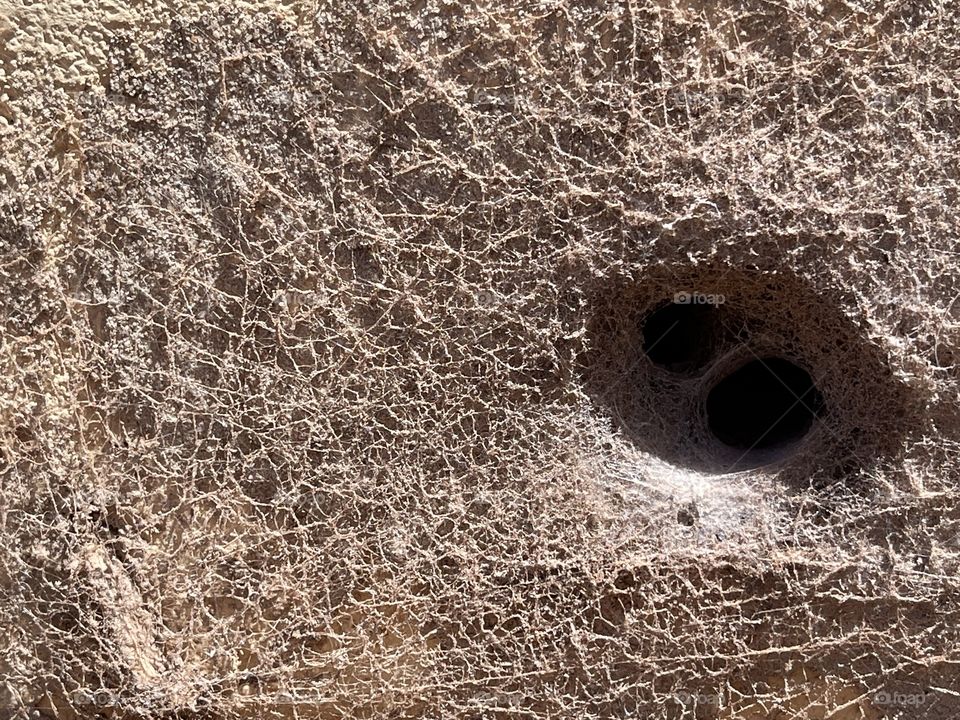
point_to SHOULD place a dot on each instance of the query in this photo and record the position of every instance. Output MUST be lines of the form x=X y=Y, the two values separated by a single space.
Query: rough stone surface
x=323 y=389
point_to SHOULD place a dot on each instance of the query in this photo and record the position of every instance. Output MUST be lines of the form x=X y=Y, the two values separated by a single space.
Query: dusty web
x=324 y=390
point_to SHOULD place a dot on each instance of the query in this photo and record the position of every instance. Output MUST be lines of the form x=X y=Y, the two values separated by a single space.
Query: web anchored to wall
x=524 y=360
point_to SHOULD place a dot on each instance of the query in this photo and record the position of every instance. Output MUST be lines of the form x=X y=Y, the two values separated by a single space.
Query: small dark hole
x=688 y=515
x=680 y=337
x=766 y=403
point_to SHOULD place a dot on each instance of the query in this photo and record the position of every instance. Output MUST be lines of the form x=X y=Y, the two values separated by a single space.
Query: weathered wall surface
x=326 y=379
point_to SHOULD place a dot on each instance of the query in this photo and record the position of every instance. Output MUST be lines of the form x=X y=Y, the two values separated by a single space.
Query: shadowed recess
x=680 y=337
x=769 y=402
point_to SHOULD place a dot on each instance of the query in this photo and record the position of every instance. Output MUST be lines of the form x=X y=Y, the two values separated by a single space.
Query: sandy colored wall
x=326 y=387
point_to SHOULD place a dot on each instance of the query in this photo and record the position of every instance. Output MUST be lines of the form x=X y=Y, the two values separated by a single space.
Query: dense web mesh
x=324 y=389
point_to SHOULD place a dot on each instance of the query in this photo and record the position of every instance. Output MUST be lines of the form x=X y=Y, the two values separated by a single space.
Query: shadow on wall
x=721 y=370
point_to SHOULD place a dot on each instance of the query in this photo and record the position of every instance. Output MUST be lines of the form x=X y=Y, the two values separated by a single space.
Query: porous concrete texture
x=324 y=389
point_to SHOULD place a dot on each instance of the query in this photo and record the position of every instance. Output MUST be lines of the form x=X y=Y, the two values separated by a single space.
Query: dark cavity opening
x=764 y=404
x=680 y=337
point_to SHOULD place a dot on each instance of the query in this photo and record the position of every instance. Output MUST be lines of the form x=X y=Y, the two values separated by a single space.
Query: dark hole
x=766 y=403
x=680 y=337
x=688 y=515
